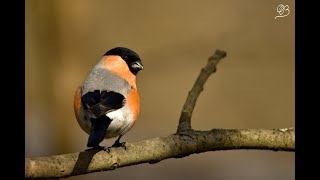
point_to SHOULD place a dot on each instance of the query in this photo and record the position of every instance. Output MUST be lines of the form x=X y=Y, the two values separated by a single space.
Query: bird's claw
x=107 y=149
x=118 y=144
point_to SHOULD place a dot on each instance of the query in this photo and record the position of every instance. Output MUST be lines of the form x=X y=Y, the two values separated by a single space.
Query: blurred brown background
x=253 y=87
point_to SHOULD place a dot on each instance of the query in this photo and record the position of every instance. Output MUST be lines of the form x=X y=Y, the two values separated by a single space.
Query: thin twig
x=186 y=113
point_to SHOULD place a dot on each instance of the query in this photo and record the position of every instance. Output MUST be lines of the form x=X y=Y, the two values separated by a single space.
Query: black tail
x=99 y=127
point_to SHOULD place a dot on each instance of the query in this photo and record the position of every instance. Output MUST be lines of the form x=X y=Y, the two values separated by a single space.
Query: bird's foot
x=107 y=149
x=120 y=144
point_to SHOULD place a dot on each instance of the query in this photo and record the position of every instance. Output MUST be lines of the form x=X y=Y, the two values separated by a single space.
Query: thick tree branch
x=157 y=149
x=183 y=143
x=185 y=117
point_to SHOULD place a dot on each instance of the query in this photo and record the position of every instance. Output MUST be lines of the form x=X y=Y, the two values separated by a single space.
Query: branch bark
x=183 y=143
x=158 y=149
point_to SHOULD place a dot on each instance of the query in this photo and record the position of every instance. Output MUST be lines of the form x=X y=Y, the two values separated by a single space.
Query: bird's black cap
x=132 y=58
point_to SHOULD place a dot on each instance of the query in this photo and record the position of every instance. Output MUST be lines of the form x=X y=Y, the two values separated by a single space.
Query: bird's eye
x=125 y=57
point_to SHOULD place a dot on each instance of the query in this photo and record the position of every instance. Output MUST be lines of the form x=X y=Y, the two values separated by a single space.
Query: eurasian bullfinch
x=107 y=104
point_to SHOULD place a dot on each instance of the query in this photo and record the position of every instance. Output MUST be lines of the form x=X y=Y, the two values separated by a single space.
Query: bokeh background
x=253 y=87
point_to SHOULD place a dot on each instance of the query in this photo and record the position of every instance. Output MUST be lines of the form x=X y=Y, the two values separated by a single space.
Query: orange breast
x=77 y=103
x=134 y=104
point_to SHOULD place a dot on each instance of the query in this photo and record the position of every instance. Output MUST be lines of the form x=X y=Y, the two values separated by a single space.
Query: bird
x=107 y=104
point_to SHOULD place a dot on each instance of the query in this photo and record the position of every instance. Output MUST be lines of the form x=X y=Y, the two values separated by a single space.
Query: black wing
x=99 y=103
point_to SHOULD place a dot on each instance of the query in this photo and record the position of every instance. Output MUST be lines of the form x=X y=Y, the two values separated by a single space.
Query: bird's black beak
x=137 y=66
